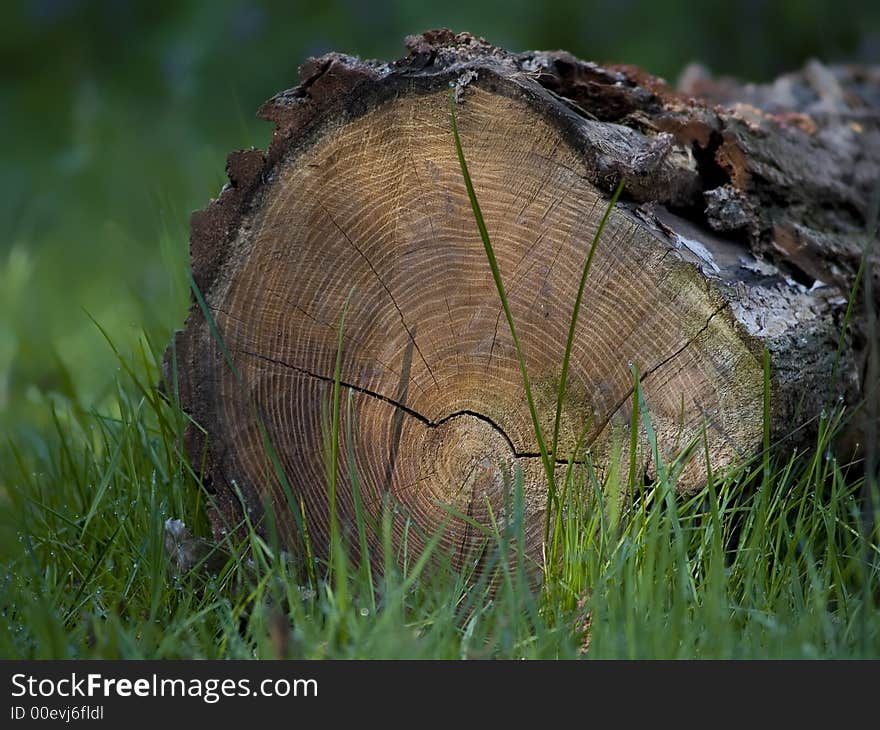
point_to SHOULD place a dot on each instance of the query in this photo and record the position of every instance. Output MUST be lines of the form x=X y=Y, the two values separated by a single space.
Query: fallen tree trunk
x=741 y=228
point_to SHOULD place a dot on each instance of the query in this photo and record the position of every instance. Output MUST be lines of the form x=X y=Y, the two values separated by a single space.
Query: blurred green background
x=116 y=116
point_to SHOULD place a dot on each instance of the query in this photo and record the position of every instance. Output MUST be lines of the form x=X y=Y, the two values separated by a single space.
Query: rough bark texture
x=742 y=226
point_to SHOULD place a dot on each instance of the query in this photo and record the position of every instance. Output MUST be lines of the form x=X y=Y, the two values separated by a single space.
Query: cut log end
x=360 y=200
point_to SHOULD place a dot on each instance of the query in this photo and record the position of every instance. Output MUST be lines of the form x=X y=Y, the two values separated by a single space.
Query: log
x=741 y=227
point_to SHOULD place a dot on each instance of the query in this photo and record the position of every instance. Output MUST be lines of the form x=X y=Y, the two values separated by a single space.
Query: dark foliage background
x=116 y=116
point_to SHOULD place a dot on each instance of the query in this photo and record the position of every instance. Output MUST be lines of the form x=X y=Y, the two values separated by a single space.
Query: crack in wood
x=385 y=287
x=405 y=408
x=643 y=377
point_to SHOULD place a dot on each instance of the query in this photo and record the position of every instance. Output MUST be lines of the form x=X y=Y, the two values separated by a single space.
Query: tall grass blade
x=502 y=293
x=572 y=327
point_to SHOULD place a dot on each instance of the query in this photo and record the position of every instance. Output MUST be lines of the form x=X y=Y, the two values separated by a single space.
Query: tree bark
x=741 y=227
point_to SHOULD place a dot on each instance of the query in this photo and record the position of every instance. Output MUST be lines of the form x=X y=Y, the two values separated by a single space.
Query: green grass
x=758 y=564
x=768 y=560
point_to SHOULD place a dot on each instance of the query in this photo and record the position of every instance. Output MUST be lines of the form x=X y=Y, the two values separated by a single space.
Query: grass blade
x=572 y=327
x=502 y=293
